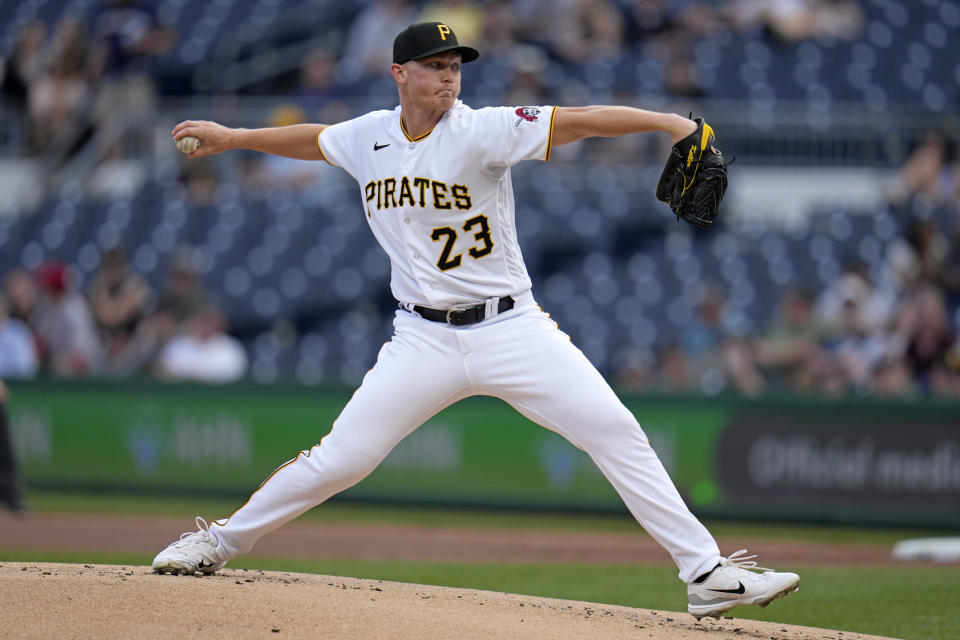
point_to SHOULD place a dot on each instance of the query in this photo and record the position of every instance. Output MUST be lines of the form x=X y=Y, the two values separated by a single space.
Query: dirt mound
x=42 y=600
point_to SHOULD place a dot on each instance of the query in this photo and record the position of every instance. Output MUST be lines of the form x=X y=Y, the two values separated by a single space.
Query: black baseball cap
x=426 y=39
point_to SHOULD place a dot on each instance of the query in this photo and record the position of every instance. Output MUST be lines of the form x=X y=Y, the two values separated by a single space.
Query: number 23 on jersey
x=449 y=237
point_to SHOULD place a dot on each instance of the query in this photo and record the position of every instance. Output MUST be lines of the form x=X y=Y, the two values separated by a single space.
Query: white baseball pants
x=520 y=356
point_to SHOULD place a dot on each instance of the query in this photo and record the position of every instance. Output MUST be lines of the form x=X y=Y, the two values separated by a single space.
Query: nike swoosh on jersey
x=377 y=146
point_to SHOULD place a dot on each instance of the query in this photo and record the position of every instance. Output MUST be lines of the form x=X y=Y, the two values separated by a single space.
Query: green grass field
x=904 y=602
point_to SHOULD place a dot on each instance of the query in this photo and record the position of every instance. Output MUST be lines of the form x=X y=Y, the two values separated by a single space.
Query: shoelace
x=740 y=561
x=202 y=535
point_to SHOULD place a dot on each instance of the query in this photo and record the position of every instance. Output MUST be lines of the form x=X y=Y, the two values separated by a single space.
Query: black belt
x=463 y=315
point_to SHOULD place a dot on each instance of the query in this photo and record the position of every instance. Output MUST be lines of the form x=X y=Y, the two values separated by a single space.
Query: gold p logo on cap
x=444 y=30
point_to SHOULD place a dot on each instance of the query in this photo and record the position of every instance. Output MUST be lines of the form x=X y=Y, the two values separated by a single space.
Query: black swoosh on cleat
x=742 y=589
x=377 y=146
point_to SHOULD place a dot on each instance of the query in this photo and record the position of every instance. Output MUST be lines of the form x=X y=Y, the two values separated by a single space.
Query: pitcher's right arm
x=297 y=141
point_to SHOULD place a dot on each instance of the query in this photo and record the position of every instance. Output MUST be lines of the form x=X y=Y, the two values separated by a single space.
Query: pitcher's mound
x=86 y=601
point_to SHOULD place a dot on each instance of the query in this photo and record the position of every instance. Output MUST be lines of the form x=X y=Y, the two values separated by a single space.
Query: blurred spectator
x=127 y=38
x=701 y=338
x=318 y=86
x=694 y=19
x=203 y=351
x=18 y=352
x=857 y=345
x=368 y=49
x=929 y=337
x=24 y=66
x=499 y=35
x=128 y=35
x=948 y=276
x=672 y=28
x=21 y=291
x=646 y=19
x=144 y=346
x=919 y=256
x=860 y=329
x=533 y=18
x=946 y=377
x=11 y=486
x=60 y=97
x=585 y=30
x=738 y=365
x=463 y=16
x=720 y=359
x=827 y=376
x=64 y=324
x=796 y=20
x=788 y=349
x=729 y=366
x=854 y=292
x=891 y=378
x=676 y=371
x=199 y=181
x=527 y=82
x=931 y=170
x=681 y=79
x=119 y=299
x=930 y=249
x=183 y=294
x=636 y=369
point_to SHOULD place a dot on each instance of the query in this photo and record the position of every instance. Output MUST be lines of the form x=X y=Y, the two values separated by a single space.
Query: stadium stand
x=287 y=256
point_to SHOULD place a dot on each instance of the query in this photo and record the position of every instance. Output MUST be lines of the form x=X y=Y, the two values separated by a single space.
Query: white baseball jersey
x=441 y=205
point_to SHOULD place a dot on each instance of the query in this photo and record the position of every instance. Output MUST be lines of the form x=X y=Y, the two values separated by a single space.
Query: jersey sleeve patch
x=529 y=114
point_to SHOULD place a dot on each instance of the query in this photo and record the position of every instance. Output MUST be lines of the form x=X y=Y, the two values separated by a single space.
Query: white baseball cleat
x=736 y=582
x=194 y=551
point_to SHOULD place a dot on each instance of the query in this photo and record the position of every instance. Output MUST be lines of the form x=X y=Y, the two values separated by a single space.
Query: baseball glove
x=695 y=178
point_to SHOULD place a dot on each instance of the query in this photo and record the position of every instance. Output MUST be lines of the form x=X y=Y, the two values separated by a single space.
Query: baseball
x=188 y=144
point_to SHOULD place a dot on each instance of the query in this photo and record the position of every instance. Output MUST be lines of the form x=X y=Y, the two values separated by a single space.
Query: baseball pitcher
x=434 y=178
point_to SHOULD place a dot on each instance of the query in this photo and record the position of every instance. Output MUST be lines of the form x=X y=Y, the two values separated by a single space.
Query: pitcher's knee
x=342 y=464
x=352 y=470
x=613 y=430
